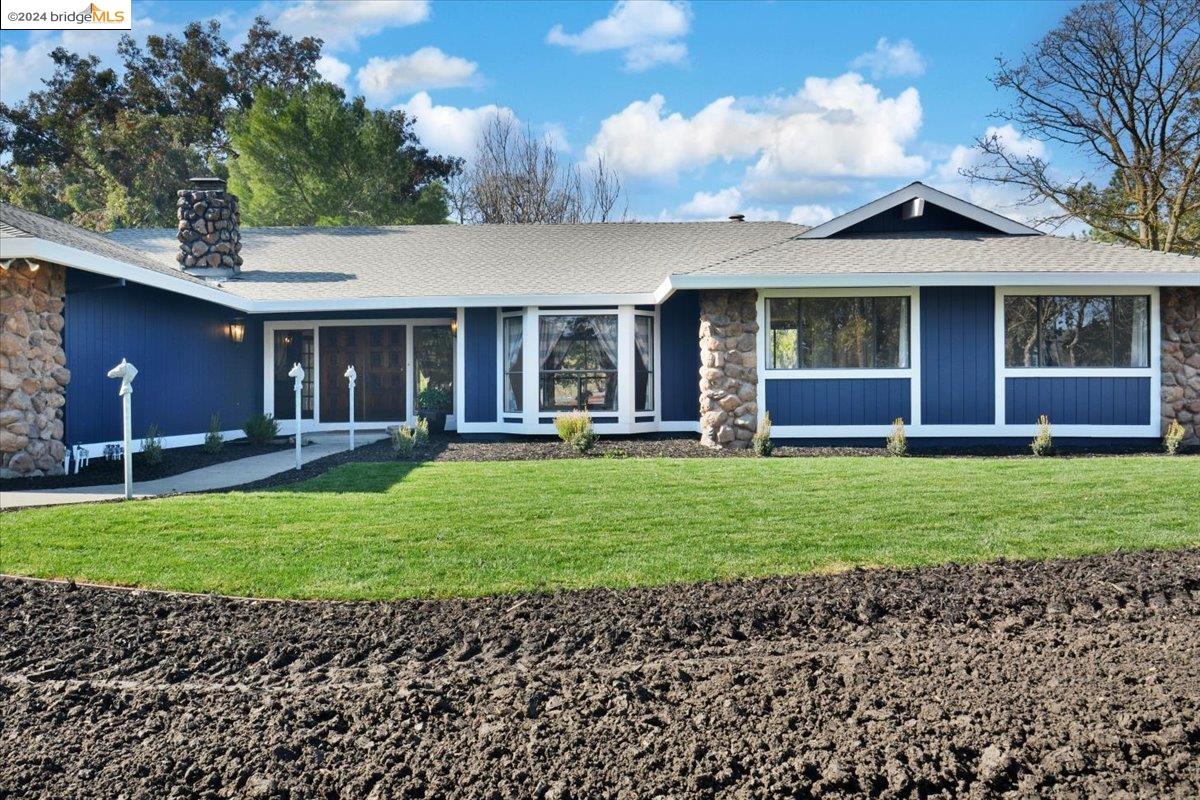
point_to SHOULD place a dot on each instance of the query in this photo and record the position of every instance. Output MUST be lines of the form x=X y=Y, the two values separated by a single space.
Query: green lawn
x=400 y=530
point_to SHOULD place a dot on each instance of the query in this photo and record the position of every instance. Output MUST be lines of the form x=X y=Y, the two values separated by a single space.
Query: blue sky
x=778 y=110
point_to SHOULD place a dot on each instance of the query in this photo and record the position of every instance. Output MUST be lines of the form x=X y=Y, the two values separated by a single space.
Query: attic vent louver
x=913 y=208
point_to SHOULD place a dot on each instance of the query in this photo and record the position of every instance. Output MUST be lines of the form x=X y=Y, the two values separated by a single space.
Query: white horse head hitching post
x=352 y=376
x=126 y=372
x=297 y=374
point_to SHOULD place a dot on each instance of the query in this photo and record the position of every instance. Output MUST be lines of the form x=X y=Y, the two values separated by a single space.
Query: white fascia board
x=1024 y=278
x=452 y=301
x=929 y=194
x=53 y=252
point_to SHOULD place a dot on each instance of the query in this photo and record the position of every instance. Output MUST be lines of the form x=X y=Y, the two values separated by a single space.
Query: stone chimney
x=210 y=243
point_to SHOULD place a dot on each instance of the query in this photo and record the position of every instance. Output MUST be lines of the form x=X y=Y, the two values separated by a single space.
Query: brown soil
x=1076 y=678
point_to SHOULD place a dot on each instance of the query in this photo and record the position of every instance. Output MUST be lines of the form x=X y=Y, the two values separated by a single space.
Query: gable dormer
x=914 y=209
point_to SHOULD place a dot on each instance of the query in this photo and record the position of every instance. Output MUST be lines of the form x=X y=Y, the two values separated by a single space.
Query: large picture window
x=513 y=363
x=577 y=356
x=837 y=333
x=1076 y=331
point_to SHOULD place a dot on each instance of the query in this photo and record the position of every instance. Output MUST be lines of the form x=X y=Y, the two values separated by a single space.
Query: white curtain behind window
x=1139 y=348
x=512 y=329
x=606 y=335
x=642 y=337
x=550 y=332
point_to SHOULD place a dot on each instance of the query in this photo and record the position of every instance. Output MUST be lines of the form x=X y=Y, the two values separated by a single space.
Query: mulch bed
x=100 y=472
x=1070 y=678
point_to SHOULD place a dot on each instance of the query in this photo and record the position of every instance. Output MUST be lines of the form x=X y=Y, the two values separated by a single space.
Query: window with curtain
x=1076 y=331
x=837 y=333
x=577 y=362
x=513 y=345
x=643 y=366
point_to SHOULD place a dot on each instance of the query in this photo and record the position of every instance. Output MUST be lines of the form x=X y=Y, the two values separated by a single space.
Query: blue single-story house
x=920 y=306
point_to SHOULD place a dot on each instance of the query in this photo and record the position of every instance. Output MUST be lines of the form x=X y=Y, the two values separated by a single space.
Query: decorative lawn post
x=352 y=376
x=126 y=372
x=297 y=373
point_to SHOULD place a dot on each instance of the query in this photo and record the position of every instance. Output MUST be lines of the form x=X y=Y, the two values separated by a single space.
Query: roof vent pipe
x=738 y=217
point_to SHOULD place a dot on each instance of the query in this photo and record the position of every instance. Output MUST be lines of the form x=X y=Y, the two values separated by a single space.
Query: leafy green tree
x=106 y=151
x=312 y=157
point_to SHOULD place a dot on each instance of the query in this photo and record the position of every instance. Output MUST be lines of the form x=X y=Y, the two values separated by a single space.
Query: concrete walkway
x=218 y=476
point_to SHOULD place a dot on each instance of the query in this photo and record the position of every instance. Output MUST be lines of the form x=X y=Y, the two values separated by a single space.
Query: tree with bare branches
x=517 y=177
x=1119 y=81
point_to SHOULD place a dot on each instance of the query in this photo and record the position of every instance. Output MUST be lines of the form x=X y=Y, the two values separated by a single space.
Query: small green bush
x=431 y=398
x=213 y=440
x=761 y=441
x=575 y=429
x=616 y=453
x=421 y=433
x=1173 y=437
x=897 y=442
x=260 y=428
x=152 y=446
x=404 y=441
x=1042 y=444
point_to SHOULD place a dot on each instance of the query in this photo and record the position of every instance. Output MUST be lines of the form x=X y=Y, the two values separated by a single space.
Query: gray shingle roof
x=27 y=223
x=946 y=251
x=472 y=260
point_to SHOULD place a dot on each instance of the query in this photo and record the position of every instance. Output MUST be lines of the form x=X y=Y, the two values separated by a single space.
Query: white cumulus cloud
x=382 y=79
x=831 y=127
x=334 y=70
x=810 y=214
x=647 y=32
x=450 y=130
x=342 y=24
x=891 y=60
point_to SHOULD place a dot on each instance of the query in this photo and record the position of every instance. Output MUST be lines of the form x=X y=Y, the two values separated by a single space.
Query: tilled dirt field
x=1068 y=679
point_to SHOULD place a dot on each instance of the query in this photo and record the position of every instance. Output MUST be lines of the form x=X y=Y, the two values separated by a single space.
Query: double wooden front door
x=378 y=355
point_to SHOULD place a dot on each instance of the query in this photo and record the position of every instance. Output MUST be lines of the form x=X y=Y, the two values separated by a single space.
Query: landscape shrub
x=260 y=428
x=1042 y=444
x=761 y=441
x=432 y=398
x=1173 y=437
x=897 y=442
x=421 y=433
x=404 y=441
x=575 y=429
x=616 y=452
x=213 y=440
x=152 y=446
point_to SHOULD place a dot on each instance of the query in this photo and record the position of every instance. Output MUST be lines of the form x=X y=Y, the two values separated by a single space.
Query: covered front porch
x=395 y=357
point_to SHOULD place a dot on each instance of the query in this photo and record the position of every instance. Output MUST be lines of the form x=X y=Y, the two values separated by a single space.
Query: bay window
x=1077 y=331
x=838 y=332
x=513 y=343
x=643 y=363
x=577 y=362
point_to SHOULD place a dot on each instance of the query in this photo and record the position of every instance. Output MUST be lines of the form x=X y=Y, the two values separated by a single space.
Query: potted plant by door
x=433 y=404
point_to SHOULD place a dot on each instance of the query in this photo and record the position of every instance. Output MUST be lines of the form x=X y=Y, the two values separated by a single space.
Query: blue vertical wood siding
x=958 y=355
x=838 y=401
x=1078 y=401
x=188 y=368
x=679 y=318
x=480 y=391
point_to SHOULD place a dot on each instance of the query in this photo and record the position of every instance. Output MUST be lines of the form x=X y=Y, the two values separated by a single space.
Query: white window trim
x=912 y=372
x=1153 y=372
x=287 y=425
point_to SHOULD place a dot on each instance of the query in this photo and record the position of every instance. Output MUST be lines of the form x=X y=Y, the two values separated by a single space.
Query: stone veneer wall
x=33 y=371
x=728 y=368
x=1180 y=308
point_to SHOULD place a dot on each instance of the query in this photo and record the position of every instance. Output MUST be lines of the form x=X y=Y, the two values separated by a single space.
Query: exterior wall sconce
x=454 y=327
x=237 y=330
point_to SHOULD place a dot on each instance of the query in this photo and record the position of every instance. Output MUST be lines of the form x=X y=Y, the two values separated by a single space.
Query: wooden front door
x=378 y=355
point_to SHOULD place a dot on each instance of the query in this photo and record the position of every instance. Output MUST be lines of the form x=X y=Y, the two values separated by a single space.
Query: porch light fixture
x=454 y=327
x=237 y=329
